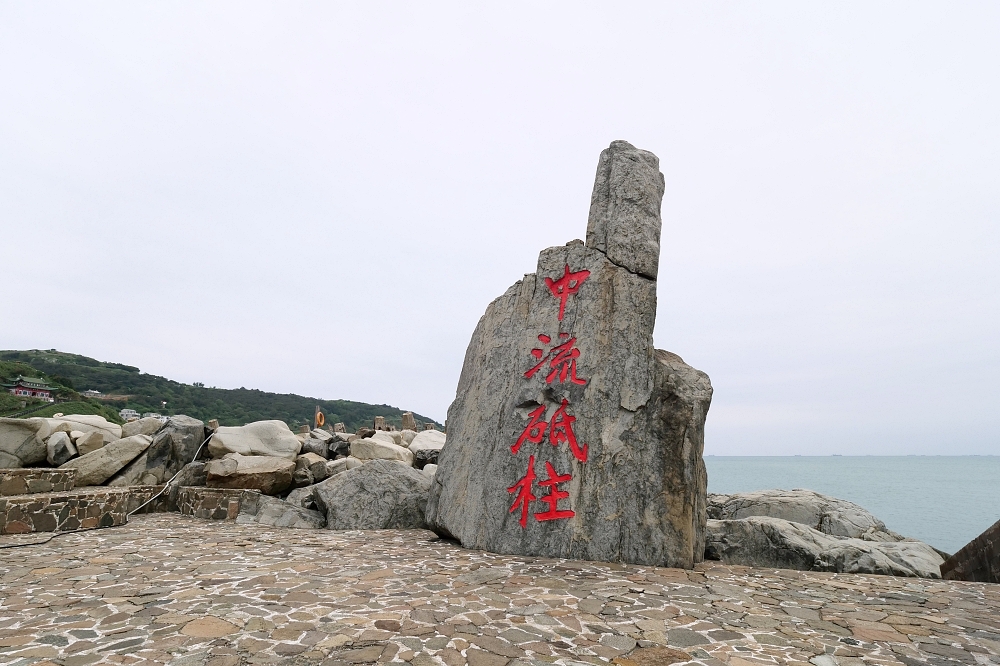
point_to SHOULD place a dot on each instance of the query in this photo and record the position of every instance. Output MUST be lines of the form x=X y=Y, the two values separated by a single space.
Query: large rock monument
x=570 y=436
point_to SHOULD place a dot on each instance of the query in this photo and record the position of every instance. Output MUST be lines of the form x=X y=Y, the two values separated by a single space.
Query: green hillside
x=71 y=373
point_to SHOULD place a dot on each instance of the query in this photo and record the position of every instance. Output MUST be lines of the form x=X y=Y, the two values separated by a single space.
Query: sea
x=945 y=501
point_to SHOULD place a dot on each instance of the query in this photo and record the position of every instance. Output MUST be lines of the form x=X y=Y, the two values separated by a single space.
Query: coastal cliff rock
x=763 y=541
x=570 y=435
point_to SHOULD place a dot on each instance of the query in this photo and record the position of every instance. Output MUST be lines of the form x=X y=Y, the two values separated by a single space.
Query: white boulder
x=59 y=448
x=261 y=438
x=88 y=423
x=144 y=426
x=96 y=467
x=90 y=442
x=378 y=449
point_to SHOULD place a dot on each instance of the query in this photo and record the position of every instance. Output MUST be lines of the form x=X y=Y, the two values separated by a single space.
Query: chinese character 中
x=561 y=358
x=566 y=286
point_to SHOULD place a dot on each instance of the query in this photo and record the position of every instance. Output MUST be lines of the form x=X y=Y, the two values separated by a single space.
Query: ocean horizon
x=945 y=501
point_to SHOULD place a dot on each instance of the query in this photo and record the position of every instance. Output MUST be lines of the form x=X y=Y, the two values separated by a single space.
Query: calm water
x=945 y=501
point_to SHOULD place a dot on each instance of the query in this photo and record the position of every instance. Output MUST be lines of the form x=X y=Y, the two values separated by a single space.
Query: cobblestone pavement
x=183 y=591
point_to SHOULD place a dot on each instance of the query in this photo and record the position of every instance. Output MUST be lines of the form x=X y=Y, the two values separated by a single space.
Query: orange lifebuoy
x=320 y=419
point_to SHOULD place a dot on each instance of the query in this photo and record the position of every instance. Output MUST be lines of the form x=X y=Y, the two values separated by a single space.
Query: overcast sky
x=323 y=199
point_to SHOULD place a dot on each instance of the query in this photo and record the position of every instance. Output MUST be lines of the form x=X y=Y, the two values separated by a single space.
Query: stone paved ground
x=183 y=591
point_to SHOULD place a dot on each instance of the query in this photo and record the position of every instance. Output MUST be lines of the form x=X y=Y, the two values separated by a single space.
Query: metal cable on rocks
x=127 y=515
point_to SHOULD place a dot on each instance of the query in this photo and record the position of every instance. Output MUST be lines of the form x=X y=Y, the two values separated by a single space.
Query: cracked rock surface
x=169 y=589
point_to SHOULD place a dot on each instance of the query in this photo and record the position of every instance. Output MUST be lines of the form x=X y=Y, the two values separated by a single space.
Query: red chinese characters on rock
x=566 y=286
x=561 y=358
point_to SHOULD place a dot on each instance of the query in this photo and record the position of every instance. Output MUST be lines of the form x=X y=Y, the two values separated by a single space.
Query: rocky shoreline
x=377 y=479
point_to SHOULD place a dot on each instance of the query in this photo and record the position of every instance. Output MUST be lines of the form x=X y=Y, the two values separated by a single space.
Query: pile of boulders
x=143 y=452
x=372 y=479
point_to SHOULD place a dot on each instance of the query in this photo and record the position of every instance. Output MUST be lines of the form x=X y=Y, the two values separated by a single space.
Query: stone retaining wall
x=79 y=509
x=35 y=480
x=210 y=503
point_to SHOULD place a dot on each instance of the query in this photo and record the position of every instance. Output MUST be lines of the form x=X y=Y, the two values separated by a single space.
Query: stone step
x=25 y=481
x=211 y=503
x=78 y=509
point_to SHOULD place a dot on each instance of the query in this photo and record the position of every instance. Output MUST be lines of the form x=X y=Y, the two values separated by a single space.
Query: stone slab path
x=170 y=589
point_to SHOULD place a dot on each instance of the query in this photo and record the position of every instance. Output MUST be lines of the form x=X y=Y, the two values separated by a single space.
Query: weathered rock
x=261 y=438
x=22 y=441
x=381 y=494
x=318 y=446
x=373 y=449
x=192 y=474
x=425 y=457
x=59 y=448
x=365 y=432
x=821 y=512
x=341 y=465
x=314 y=463
x=89 y=442
x=148 y=425
x=429 y=469
x=407 y=436
x=409 y=423
x=268 y=474
x=625 y=208
x=309 y=469
x=389 y=437
x=88 y=423
x=320 y=434
x=425 y=447
x=340 y=447
x=302 y=497
x=585 y=319
x=96 y=467
x=174 y=446
x=265 y=510
x=762 y=541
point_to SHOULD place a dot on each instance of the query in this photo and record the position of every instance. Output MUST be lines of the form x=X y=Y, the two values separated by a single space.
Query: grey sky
x=322 y=199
